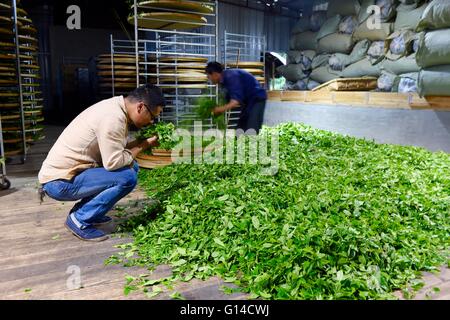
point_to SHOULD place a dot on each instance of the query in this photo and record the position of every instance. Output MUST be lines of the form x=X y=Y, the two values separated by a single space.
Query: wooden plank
x=436 y=103
x=389 y=100
x=319 y=97
x=369 y=99
x=298 y=96
x=352 y=98
x=274 y=95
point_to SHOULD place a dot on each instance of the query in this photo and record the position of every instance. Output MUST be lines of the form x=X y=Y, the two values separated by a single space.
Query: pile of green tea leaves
x=344 y=218
x=163 y=130
x=204 y=108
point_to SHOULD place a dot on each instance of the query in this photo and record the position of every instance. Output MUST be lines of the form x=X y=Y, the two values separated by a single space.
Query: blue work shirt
x=243 y=87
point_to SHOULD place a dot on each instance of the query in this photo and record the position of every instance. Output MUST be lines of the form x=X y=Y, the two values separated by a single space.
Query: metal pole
x=136 y=42
x=2 y=149
x=217 y=44
x=264 y=60
x=112 y=67
x=19 y=77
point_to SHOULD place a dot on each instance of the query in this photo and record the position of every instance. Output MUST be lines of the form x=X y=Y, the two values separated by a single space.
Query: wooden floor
x=39 y=258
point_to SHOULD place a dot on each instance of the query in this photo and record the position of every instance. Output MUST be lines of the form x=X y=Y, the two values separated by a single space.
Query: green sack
x=409 y=1
x=434 y=81
x=386 y=81
x=363 y=68
x=292 y=72
x=388 y=10
x=339 y=61
x=324 y=74
x=336 y=43
x=304 y=41
x=400 y=44
x=403 y=65
x=376 y=52
x=409 y=20
x=302 y=25
x=320 y=60
x=310 y=54
x=434 y=48
x=301 y=57
x=406 y=7
x=405 y=83
x=343 y=7
x=435 y=16
x=330 y=26
x=363 y=32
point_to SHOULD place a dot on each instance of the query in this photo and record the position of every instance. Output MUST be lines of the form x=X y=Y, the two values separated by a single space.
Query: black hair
x=149 y=94
x=212 y=67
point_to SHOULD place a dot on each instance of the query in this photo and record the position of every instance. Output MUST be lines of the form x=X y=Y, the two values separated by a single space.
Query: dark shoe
x=102 y=221
x=88 y=233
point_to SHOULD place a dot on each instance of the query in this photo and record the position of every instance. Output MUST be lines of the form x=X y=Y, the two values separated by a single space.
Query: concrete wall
x=424 y=128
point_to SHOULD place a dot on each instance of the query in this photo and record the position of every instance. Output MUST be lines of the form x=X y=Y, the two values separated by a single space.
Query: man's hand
x=141 y=145
x=218 y=110
x=230 y=105
x=153 y=141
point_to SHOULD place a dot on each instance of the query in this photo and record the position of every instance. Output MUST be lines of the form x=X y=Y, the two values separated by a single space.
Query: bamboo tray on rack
x=5 y=31
x=116 y=73
x=7 y=56
x=27 y=39
x=168 y=20
x=246 y=64
x=105 y=66
x=176 y=5
x=183 y=59
x=185 y=86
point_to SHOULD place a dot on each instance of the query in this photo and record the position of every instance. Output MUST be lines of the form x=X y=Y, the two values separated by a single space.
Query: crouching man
x=92 y=162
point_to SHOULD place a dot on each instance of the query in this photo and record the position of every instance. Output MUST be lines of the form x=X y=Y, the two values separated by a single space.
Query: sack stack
x=408 y=48
x=433 y=54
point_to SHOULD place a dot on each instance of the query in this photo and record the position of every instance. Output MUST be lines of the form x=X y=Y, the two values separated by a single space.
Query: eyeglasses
x=151 y=113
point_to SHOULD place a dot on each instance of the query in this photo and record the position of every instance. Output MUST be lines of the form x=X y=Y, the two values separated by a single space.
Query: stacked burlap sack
x=399 y=70
x=344 y=43
x=408 y=49
x=433 y=54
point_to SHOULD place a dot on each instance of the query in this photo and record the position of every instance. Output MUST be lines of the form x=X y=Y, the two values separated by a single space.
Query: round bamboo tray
x=161 y=157
x=8 y=82
x=8 y=94
x=184 y=86
x=7 y=56
x=29 y=66
x=23 y=19
x=15 y=152
x=4 y=44
x=6 y=74
x=117 y=73
x=116 y=67
x=5 y=31
x=174 y=59
x=27 y=39
x=175 y=5
x=182 y=20
x=27 y=29
x=118 y=85
x=12 y=141
x=9 y=105
x=4 y=6
x=246 y=64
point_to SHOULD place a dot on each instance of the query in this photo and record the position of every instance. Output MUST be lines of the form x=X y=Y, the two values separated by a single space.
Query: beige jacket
x=96 y=137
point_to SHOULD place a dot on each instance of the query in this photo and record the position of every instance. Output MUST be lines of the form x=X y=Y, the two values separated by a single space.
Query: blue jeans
x=98 y=189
